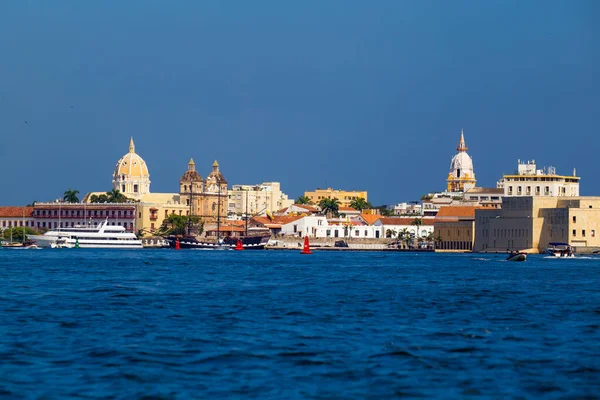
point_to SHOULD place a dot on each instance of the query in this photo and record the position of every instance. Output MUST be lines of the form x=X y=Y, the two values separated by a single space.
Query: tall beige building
x=257 y=199
x=530 y=223
x=345 y=197
x=530 y=181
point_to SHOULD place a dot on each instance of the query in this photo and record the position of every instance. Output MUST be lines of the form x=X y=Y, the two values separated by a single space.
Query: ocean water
x=280 y=325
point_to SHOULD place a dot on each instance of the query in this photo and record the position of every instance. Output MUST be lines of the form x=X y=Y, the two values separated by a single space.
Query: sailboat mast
x=219 y=210
x=246 y=233
x=191 y=206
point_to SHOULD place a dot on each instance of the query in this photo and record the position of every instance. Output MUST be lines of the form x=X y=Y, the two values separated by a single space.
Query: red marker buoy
x=177 y=245
x=306 y=249
x=238 y=245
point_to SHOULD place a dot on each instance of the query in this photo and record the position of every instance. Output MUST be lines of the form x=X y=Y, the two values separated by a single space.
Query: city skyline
x=298 y=92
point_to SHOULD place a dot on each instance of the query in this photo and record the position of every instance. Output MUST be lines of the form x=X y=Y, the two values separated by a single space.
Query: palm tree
x=390 y=233
x=70 y=196
x=405 y=237
x=417 y=222
x=330 y=206
x=303 y=200
x=360 y=204
x=115 y=196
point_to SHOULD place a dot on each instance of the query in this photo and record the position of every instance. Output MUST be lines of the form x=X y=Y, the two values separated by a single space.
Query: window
x=583 y=232
x=593 y=233
x=356 y=233
x=537 y=190
x=574 y=219
x=574 y=232
x=519 y=190
x=510 y=191
x=122 y=188
x=546 y=190
x=135 y=188
x=528 y=190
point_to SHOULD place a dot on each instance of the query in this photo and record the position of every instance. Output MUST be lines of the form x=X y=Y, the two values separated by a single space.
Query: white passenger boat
x=558 y=249
x=102 y=236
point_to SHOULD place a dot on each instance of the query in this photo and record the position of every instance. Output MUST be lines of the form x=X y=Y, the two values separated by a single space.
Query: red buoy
x=306 y=249
x=177 y=245
x=238 y=245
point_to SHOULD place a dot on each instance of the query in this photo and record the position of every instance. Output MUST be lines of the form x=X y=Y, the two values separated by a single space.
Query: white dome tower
x=462 y=175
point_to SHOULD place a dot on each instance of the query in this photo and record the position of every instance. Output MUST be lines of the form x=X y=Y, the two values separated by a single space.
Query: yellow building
x=345 y=197
x=207 y=198
x=461 y=176
x=454 y=229
x=530 y=223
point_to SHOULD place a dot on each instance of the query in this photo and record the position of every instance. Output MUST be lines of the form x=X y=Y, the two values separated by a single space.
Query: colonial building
x=62 y=215
x=11 y=217
x=131 y=176
x=207 y=198
x=257 y=199
x=454 y=229
x=344 y=197
x=461 y=176
x=392 y=226
x=530 y=181
x=529 y=223
x=484 y=197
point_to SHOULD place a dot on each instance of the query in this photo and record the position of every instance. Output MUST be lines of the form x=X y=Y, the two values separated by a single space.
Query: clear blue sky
x=348 y=94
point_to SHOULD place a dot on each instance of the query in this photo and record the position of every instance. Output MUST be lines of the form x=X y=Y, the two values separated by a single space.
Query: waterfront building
x=11 y=217
x=57 y=215
x=257 y=199
x=344 y=197
x=298 y=209
x=529 y=223
x=530 y=181
x=131 y=176
x=462 y=175
x=454 y=229
x=412 y=208
x=392 y=226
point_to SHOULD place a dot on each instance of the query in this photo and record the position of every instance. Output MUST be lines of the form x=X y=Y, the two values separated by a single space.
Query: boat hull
x=517 y=257
x=248 y=243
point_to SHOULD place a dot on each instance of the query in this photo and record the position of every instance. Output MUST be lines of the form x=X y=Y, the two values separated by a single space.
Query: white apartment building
x=530 y=181
x=257 y=199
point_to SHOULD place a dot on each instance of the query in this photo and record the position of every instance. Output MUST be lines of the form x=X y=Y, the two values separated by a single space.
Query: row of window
x=562 y=190
x=454 y=245
x=88 y=213
x=9 y=224
x=72 y=224
x=592 y=233
x=506 y=232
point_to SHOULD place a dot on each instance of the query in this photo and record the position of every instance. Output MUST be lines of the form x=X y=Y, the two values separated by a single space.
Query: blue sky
x=347 y=94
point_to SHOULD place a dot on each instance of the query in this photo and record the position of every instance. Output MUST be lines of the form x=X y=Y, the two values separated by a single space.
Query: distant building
x=529 y=223
x=344 y=197
x=412 y=208
x=454 y=229
x=530 y=181
x=257 y=199
x=485 y=197
x=62 y=215
x=16 y=217
x=207 y=198
x=461 y=176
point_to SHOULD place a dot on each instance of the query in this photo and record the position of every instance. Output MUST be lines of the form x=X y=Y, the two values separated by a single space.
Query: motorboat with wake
x=101 y=236
x=558 y=249
x=516 y=256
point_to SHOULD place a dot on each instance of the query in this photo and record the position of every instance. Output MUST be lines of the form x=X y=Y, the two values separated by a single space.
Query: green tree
x=103 y=198
x=70 y=196
x=360 y=204
x=417 y=222
x=390 y=233
x=178 y=225
x=303 y=200
x=405 y=237
x=330 y=207
x=115 y=196
x=17 y=233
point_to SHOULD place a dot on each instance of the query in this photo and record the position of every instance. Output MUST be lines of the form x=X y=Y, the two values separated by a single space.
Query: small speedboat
x=516 y=256
x=557 y=249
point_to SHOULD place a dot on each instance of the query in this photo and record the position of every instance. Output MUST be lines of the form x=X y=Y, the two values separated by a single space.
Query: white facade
x=257 y=199
x=317 y=226
x=407 y=208
x=16 y=217
x=399 y=224
x=530 y=181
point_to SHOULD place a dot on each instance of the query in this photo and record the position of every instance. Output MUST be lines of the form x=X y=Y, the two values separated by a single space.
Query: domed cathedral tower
x=215 y=193
x=131 y=175
x=191 y=188
x=462 y=175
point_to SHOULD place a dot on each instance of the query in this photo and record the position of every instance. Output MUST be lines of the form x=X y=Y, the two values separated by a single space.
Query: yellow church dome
x=131 y=174
x=131 y=164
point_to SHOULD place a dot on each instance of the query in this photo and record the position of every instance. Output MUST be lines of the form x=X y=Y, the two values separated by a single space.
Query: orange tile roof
x=227 y=229
x=307 y=207
x=404 y=221
x=457 y=211
x=17 y=211
x=277 y=220
x=344 y=208
x=370 y=218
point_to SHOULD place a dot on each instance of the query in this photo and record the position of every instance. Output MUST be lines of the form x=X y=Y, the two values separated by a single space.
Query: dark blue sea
x=171 y=324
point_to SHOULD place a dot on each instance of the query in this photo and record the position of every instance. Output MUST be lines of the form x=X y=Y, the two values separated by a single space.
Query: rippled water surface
x=222 y=324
